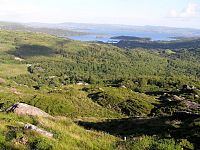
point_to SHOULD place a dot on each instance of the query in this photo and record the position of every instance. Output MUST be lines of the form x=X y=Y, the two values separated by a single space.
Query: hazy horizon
x=109 y=24
x=168 y=13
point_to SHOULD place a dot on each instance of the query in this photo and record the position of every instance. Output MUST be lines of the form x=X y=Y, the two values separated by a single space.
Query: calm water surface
x=105 y=35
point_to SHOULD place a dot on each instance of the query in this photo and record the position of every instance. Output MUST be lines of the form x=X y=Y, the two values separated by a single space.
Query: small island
x=131 y=38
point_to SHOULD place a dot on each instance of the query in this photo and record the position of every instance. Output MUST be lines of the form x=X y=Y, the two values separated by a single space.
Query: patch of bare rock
x=25 y=109
x=2 y=81
x=38 y=130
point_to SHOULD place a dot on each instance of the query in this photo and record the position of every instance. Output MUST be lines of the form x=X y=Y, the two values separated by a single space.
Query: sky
x=175 y=13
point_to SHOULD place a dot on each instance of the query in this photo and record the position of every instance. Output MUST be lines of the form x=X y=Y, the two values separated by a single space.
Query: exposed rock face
x=24 y=109
x=38 y=130
x=196 y=96
x=123 y=86
x=169 y=98
x=177 y=98
x=81 y=83
x=191 y=105
x=2 y=81
x=19 y=59
x=14 y=90
x=188 y=89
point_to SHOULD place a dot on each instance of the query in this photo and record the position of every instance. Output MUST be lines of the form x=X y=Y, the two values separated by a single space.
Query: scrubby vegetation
x=67 y=135
x=101 y=96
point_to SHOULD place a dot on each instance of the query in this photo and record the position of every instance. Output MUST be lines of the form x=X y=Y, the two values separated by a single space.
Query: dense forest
x=176 y=43
x=132 y=95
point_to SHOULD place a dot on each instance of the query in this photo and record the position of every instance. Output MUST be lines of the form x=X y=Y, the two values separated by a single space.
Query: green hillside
x=101 y=96
x=12 y=26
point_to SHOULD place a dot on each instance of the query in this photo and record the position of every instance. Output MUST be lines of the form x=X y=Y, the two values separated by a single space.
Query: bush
x=151 y=143
x=41 y=144
x=186 y=144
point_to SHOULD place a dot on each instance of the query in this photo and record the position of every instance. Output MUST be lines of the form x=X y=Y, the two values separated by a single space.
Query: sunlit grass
x=67 y=135
x=11 y=70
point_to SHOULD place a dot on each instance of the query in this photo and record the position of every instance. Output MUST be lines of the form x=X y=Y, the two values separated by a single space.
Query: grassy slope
x=67 y=135
x=122 y=100
x=12 y=70
x=55 y=54
x=41 y=48
x=66 y=101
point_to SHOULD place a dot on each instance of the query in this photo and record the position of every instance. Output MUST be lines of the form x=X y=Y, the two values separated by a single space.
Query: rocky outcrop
x=25 y=109
x=188 y=89
x=38 y=130
x=2 y=81
x=14 y=90
x=18 y=59
x=191 y=105
x=177 y=98
x=169 y=97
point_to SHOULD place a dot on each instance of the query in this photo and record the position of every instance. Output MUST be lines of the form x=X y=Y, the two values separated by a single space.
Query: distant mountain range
x=74 y=29
x=106 y=28
x=41 y=29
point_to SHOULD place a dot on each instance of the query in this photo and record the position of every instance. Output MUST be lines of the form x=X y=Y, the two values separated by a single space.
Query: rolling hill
x=101 y=96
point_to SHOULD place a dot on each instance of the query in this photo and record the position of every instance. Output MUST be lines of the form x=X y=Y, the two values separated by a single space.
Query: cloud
x=192 y=10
